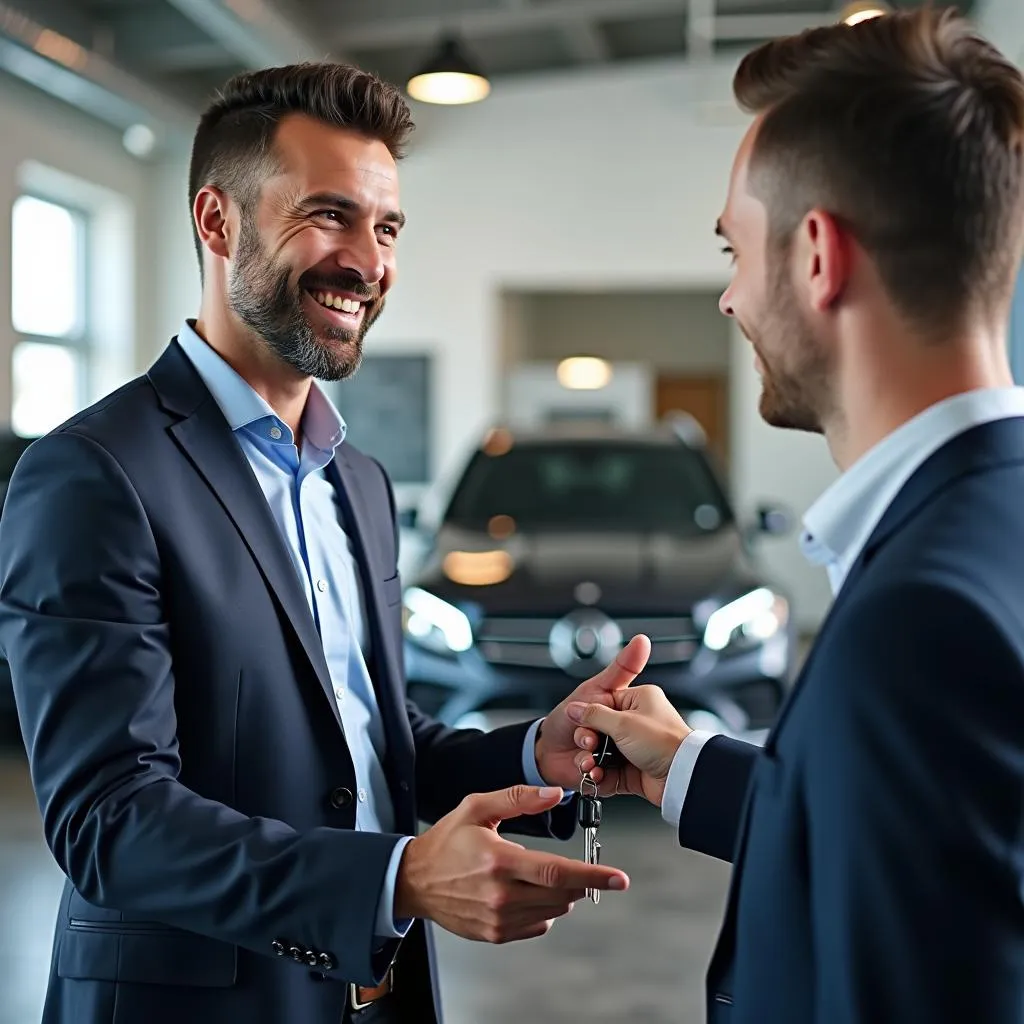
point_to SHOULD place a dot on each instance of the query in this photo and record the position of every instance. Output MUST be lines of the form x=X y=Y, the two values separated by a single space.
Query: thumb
x=599 y=718
x=629 y=663
x=490 y=809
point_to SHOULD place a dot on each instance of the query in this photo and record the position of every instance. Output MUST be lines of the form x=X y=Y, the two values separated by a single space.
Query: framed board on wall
x=386 y=406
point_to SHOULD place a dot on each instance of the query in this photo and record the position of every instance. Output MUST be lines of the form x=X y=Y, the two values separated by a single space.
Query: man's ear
x=210 y=213
x=822 y=258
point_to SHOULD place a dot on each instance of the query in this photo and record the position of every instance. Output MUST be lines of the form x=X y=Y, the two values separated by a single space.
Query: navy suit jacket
x=878 y=838
x=185 y=746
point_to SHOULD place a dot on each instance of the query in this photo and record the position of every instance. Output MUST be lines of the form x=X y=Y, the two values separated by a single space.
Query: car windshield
x=630 y=488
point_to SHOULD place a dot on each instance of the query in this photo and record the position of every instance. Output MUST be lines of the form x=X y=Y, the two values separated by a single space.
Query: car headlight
x=435 y=624
x=747 y=621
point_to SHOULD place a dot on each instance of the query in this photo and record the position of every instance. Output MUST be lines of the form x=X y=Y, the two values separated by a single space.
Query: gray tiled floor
x=640 y=955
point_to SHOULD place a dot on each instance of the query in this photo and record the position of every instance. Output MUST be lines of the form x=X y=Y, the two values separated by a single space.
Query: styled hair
x=908 y=129
x=233 y=146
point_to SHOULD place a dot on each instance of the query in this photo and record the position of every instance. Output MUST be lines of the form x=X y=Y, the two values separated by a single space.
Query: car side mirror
x=773 y=520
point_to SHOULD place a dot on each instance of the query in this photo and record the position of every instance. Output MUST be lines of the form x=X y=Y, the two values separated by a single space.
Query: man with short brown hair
x=875 y=218
x=201 y=607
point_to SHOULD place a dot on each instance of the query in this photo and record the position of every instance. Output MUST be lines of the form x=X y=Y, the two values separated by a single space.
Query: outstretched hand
x=556 y=748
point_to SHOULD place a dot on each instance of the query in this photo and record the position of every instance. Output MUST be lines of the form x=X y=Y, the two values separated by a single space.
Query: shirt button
x=339 y=693
x=321 y=585
x=275 y=433
x=362 y=796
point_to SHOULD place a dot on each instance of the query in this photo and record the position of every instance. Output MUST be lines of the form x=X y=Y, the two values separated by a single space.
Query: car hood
x=627 y=573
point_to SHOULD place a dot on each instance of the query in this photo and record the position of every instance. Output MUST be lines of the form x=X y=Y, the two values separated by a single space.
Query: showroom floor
x=638 y=955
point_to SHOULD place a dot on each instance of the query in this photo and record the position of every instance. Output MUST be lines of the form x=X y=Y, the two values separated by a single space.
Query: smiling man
x=200 y=604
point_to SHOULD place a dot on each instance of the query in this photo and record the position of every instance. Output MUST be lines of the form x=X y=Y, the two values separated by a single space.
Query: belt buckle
x=353 y=991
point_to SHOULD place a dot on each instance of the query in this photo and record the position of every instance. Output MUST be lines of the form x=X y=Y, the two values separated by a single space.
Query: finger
x=585 y=739
x=553 y=872
x=490 y=809
x=629 y=663
x=598 y=718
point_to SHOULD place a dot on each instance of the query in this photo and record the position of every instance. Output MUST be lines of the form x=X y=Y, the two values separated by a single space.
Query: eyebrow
x=338 y=201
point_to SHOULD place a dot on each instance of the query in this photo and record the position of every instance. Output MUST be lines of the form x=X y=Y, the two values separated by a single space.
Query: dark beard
x=262 y=297
x=796 y=392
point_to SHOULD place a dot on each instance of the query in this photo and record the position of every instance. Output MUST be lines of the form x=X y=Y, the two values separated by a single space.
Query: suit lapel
x=389 y=678
x=207 y=441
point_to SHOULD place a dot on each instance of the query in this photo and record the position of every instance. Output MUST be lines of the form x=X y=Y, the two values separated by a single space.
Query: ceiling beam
x=255 y=32
x=585 y=42
x=68 y=71
x=700 y=30
x=423 y=30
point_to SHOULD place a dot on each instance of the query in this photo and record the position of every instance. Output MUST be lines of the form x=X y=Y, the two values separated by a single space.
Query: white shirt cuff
x=530 y=770
x=387 y=927
x=679 y=775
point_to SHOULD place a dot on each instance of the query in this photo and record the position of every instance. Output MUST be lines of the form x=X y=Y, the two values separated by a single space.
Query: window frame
x=82 y=340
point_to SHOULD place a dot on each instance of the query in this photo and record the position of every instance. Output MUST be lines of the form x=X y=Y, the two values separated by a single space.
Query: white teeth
x=333 y=301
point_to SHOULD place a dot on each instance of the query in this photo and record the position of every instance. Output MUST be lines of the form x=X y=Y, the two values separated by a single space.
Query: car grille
x=524 y=641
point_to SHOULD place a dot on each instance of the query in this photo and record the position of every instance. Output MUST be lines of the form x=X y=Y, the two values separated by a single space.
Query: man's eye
x=329 y=215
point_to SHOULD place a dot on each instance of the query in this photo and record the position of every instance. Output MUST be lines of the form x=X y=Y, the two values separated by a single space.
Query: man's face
x=794 y=365
x=316 y=255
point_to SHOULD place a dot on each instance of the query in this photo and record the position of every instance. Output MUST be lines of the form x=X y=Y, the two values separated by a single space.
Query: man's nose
x=361 y=254
x=725 y=303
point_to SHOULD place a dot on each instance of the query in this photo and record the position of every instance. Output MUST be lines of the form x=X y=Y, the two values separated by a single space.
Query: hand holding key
x=647 y=732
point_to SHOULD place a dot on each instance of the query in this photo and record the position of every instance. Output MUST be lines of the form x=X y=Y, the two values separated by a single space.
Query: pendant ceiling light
x=862 y=10
x=449 y=77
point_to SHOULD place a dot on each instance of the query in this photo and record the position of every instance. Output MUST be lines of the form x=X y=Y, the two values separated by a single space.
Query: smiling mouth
x=343 y=310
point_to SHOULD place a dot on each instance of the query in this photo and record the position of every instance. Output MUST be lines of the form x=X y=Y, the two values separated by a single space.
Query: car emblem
x=587 y=593
x=584 y=642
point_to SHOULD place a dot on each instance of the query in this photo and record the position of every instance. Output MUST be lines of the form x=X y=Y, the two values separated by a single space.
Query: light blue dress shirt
x=841 y=521
x=307 y=511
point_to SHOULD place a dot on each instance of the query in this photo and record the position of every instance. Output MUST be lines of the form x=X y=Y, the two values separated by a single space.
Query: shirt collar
x=322 y=424
x=840 y=522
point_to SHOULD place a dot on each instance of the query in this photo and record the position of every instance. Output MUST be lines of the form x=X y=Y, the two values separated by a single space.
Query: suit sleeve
x=83 y=626
x=453 y=763
x=914 y=811
x=715 y=797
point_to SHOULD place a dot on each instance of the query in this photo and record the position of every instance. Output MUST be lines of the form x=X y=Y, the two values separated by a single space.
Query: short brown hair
x=909 y=129
x=233 y=144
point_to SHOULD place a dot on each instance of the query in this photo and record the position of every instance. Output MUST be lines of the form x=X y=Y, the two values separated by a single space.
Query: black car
x=558 y=546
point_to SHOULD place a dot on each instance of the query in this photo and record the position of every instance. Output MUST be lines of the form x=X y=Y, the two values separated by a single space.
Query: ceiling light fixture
x=584 y=373
x=863 y=10
x=449 y=77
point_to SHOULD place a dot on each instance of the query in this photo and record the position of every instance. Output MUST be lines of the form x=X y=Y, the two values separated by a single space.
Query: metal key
x=589 y=816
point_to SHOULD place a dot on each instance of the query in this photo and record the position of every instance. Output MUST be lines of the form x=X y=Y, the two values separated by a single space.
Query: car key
x=588 y=815
x=607 y=754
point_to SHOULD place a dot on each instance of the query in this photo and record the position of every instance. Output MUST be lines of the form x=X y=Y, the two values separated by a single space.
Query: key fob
x=607 y=754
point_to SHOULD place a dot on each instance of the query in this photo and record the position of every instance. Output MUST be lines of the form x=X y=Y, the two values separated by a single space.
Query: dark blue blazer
x=878 y=839
x=185 y=746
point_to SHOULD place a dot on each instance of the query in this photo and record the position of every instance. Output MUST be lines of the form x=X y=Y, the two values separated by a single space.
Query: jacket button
x=311 y=958
x=297 y=954
x=278 y=947
x=327 y=961
x=404 y=786
x=341 y=797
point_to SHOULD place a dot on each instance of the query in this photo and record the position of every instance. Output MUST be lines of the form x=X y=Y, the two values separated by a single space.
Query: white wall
x=90 y=161
x=672 y=331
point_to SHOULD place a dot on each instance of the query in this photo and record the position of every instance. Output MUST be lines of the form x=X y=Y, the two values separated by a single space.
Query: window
x=49 y=314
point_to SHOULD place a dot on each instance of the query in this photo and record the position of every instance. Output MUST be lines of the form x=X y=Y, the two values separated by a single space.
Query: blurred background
x=570 y=423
